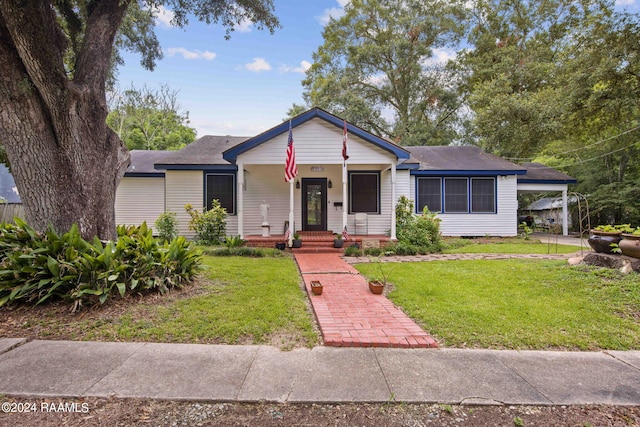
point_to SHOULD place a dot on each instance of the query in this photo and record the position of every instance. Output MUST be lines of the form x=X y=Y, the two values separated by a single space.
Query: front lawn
x=517 y=304
x=237 y=300
x=508 y=246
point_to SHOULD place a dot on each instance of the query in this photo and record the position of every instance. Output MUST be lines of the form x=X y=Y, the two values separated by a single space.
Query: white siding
x=316 y=142
x=503 y=223
x=139 y=200
x=183 y=187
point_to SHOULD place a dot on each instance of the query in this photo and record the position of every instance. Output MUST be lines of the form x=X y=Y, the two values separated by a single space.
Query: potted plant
x=338 y=242
x=603 y=237
x=377 y=286
x=630 y=243
x=316 y=287
x=297 y=241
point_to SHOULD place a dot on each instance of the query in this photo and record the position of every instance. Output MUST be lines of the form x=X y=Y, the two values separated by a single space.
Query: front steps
x=315 y=241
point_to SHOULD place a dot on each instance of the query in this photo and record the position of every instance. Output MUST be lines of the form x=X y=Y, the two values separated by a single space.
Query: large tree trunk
x=65 y=160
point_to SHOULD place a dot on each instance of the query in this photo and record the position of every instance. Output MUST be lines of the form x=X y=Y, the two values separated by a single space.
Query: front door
x=314 y=204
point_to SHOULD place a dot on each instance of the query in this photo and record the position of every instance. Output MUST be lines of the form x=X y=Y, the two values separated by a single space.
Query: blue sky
x=242 y=86
x=245 y=85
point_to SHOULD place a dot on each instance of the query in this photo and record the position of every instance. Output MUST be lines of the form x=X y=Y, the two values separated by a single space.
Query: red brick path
x=349 y=315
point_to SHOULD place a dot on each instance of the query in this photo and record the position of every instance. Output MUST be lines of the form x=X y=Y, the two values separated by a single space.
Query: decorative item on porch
x=338 y=242
x=630 y=243
x=297 y=241
x=316 y=287
x=603 y=237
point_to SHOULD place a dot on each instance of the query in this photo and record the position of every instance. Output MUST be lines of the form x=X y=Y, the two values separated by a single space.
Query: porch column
x=345 y=197
x=291 y=224
x=565 y=214
x=240 y=200
x=393 y=201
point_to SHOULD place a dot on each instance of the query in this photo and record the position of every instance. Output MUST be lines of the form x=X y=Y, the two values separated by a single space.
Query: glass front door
x=314 y=204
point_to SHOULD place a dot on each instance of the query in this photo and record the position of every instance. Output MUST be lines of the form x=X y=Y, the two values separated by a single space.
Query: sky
x=245 y=85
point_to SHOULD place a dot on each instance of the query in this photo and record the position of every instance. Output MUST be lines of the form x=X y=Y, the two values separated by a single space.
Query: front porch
x=319 y=241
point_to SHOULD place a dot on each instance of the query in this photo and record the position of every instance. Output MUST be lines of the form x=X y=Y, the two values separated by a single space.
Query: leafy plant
x=526 y=231
x=353 y=250
x=422 y=232
x=37 y=267
x=209 y=225
x=167 y=226
x=234 y=241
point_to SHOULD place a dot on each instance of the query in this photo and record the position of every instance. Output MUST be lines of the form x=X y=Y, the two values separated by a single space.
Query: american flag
x=290 y=167
x=345 y=151
x=345 y=235
x=287 y=234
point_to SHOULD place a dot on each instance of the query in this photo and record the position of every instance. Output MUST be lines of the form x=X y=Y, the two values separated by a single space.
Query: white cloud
x=304 y=66
x=625 y=2
x=333 y=12
x=258 y=65
x=244 y=26
x=163 y=17
x=191 y=54
x=439 y=57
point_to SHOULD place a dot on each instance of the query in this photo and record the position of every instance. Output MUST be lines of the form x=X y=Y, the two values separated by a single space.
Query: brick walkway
x=349 y=315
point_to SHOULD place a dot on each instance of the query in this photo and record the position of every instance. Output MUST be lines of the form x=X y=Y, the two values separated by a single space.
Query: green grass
x=514 y=248
x=249 y=301
x=518 y=304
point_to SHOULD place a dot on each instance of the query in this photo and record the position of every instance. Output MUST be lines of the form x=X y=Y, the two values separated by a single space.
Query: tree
x=148 y=119
x=57 y=56
x=376 y=62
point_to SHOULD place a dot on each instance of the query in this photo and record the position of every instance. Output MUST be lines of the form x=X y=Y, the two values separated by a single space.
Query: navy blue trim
x=232 y=153
x=469 y=195
x=463 y=173
x=407 y=166
x=191 y=167
x=144 y=174
x=547 y=181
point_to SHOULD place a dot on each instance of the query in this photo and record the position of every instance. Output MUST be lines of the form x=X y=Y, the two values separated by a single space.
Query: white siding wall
x=139 y=200
x=503 y=223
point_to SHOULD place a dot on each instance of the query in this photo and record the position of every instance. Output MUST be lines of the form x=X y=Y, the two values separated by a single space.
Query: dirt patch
x=142 y=412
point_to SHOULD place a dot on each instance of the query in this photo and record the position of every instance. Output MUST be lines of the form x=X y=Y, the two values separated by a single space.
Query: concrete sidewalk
x=322 y=374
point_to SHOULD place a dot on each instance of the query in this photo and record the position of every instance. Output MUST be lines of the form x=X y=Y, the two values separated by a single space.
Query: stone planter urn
x=601 y=241
x=630 y=245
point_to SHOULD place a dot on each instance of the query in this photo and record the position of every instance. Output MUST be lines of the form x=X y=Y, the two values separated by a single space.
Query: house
x=547 y=211
x=474 y=192
x=10 y=202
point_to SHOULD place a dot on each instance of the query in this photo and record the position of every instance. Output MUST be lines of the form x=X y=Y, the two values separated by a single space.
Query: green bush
x=209 y=225
x=353 y=250
x=244 y=251
x=37 y=267
x=234 y=242
x=421 y=232
x=373 y=251
x=167 y=226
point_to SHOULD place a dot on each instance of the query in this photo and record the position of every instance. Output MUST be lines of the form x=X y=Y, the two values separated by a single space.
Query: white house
x=474 y=192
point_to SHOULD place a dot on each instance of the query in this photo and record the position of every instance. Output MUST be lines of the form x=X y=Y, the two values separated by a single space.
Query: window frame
x=444 y=195
x=207 y=203
x=378 y=191
x=494 y=194
x=419 y=206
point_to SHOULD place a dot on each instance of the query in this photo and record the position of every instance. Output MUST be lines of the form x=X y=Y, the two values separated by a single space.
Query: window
x=483 y=195
x=221 y=187
x=364 y=192
x=456 y=198
x=430 y=194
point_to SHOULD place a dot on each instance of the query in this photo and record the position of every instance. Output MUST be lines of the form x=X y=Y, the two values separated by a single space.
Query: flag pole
x=291 y=224
x=345 y=199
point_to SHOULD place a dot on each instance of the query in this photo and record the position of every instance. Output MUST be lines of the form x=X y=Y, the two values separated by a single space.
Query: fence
x=10 y=210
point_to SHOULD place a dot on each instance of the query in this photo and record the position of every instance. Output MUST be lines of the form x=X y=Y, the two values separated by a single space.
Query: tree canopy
x=57 y=56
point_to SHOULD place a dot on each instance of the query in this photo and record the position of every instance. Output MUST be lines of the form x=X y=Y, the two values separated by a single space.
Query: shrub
x=209 y=225
x=37 y=267
x=167 y=226
x=422 y=232
x=353 y=250
x=234 y=242
x=373 y=252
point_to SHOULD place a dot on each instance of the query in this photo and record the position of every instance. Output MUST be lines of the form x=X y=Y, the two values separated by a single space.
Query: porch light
x=298 y=184
x=329 y=184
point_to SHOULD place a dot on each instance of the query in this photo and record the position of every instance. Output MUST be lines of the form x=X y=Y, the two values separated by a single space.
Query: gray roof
x=143 y=161
x=540 y=172
x=458 y=158
x=8 y=189
x=204 y=151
